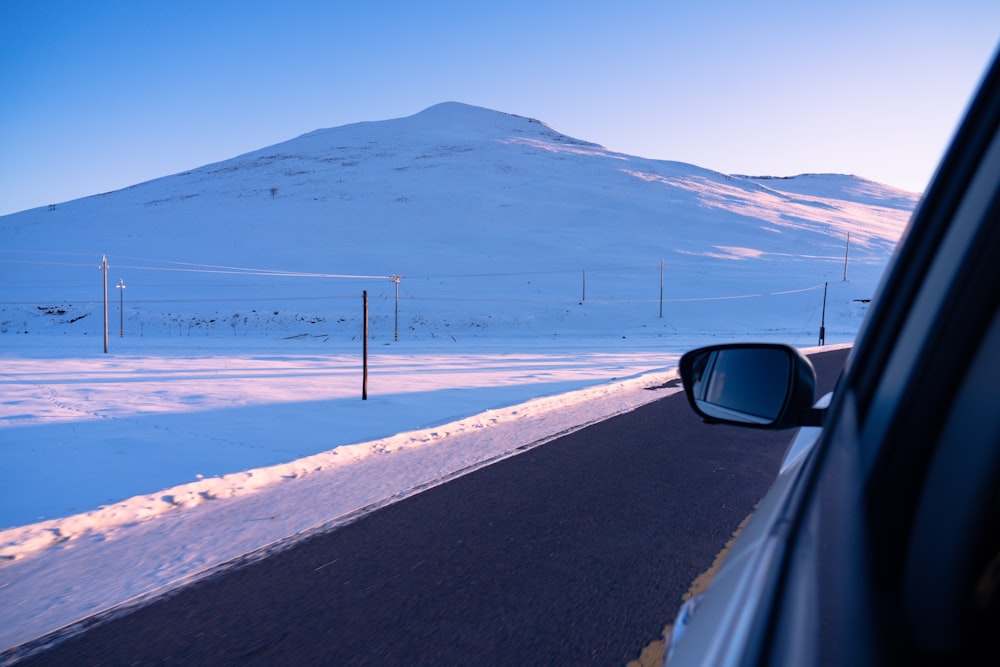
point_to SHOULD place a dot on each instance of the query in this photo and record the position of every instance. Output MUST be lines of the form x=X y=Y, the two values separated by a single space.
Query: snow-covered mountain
x=495 y=223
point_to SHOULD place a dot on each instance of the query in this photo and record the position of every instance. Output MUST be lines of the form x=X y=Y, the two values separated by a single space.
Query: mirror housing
x=761 y=385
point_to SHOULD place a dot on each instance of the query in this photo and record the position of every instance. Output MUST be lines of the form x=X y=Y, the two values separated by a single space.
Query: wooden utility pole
x=661 y=289
x=121 y=307
x=846 y=251
x=395 y=279
x=364 y=364
x=104 y=267
x=822 y=324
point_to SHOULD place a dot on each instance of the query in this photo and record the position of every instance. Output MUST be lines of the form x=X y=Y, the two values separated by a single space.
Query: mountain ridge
x=457 y=119
x=454 y=190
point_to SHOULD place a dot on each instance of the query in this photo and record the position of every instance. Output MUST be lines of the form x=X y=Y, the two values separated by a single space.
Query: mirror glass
x=747 y=385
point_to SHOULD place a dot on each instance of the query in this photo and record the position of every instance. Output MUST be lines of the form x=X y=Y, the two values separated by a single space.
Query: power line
x=599 y=269
x=255 y=272
x=384 y=297
x=215 y=268
x=208 y=268
x=41 y=263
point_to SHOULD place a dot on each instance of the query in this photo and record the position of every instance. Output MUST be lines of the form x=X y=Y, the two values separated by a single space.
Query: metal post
x=104 y=267
x=822 y=325
x=846 y=251
x=121 y=307
x=364 y=375
x=395 y=279
x=661 y=289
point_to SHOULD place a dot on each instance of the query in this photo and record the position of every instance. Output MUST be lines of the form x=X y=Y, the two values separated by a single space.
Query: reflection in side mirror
x=762 y=385
x=750 y=385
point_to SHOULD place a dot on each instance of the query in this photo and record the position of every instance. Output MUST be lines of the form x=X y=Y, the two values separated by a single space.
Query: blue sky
x=99 y=95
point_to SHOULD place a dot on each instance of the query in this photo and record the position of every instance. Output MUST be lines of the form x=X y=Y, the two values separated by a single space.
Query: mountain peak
x=446 y=110
x=454 y=118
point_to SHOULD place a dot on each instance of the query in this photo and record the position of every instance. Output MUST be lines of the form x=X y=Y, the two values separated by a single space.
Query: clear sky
x=99 y=95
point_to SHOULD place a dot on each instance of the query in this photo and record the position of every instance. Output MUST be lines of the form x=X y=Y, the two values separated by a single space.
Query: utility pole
x=104 y=268
x=661 y=289
x=822 y=325
x=846 y=251
x=364 y=364
x=395 y=278
x=121 y=307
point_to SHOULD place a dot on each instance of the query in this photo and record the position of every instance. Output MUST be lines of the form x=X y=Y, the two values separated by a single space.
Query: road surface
x=576 y=552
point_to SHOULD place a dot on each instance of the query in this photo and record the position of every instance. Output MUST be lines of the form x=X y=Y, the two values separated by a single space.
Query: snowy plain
x=521 y=284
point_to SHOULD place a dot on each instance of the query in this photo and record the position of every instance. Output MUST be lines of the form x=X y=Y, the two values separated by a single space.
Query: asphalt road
x=573 y=553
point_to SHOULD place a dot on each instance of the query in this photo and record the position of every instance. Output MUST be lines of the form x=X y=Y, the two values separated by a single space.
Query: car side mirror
x=761 y=385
